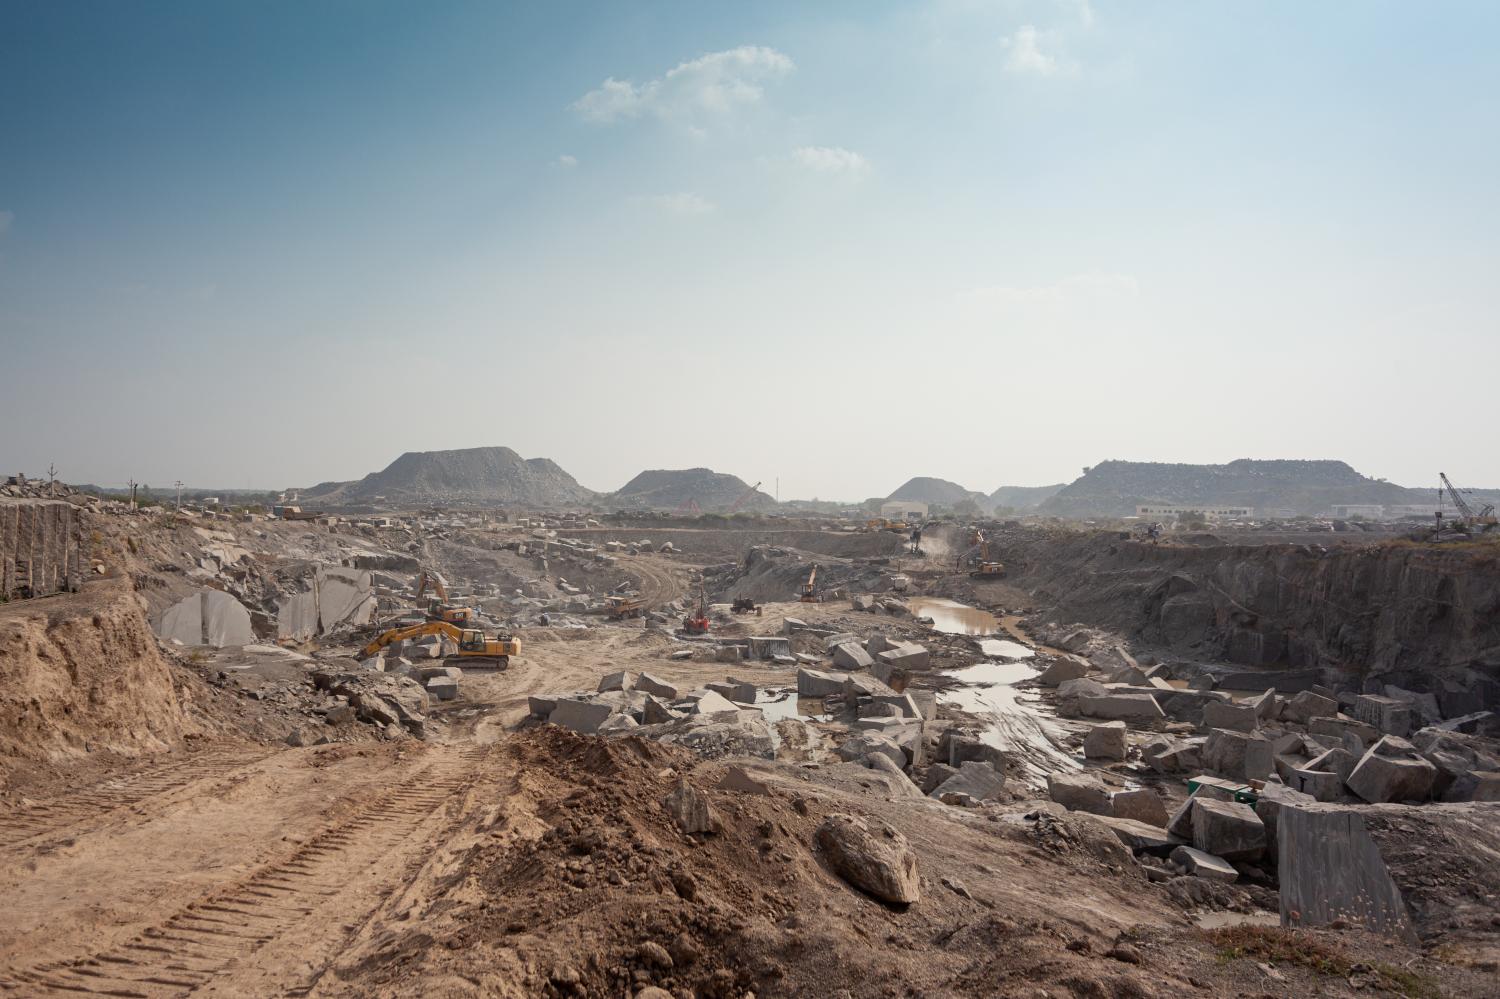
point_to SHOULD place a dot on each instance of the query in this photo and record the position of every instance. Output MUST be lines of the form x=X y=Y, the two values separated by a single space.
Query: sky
x=826 y=246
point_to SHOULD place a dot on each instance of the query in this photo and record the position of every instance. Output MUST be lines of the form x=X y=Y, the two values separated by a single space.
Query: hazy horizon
x=271 y=245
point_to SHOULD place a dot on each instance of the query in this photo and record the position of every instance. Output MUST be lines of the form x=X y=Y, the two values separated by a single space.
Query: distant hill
x=938 y=492
x=1022 y=497
x=1116 y=488
x=487 y=476
x=668 y=489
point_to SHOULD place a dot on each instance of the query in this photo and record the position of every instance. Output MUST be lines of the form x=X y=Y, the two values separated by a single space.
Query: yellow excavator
x=440 y=609
x=809 y=588
x=473 y=648
x=978 y=559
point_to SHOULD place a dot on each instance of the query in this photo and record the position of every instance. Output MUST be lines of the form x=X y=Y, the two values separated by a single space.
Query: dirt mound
x=479 y=475
x=1116 y=488
x=83 y=673
x=668 y=489
x=939 y=492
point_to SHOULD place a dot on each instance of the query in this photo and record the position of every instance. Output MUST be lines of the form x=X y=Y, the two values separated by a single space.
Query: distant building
x=1209 y=512
x=1369 y=511
x=903 y=510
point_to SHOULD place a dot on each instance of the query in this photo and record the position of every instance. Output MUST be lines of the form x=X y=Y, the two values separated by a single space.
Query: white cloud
x=712 y=84
x=567 y=162
x=831 y=160
x=1024 y=55
x=6 y=218
x=681 y=203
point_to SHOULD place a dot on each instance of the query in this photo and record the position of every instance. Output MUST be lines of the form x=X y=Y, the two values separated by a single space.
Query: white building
x=907 y=510
x=1161 y=510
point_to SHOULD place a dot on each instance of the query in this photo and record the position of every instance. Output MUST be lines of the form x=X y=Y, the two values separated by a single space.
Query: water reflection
x=954 y=618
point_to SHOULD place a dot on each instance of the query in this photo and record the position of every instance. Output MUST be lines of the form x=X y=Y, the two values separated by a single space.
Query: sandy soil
x=504 y=859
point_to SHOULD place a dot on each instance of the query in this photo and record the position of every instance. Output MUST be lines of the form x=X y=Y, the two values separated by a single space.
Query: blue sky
x=269 y=244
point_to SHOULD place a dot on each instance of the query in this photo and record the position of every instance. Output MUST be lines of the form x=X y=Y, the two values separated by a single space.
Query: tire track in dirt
x=206 y=940
x=98 y=801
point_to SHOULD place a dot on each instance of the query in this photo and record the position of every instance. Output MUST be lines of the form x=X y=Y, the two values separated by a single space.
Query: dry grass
x=1275 y=945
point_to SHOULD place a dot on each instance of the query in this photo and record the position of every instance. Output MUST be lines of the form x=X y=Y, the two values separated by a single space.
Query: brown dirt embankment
x=82 y=673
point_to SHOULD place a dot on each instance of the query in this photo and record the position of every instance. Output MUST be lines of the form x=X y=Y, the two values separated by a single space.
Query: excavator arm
x=412 y=631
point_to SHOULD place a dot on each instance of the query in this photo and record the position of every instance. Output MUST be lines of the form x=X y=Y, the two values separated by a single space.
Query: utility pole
x=131 y=484
x=178 y=484
x=52 y=479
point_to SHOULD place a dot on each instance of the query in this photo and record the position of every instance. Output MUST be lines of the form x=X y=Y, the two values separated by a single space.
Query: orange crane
x=744 y=497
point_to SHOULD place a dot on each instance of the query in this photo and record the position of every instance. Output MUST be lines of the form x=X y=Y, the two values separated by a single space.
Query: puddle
x=1216 y=920
x=1015 y=720
x=777 y=703
x=1000 y=648
x=954 y=618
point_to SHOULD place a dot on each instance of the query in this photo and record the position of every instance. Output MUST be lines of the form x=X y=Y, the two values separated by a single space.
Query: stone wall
x=42 y=547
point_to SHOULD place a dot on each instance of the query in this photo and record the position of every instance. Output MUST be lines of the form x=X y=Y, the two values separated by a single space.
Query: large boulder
x=1061 y=670
x=1106 y=742
x=1228 y=829
x=815 y=683
x=1236 y=717
x=651 y=685
x=1240 y=755
x=849 y=656
x=1307 y=705
x=974 y=782
x=580 y=716
x=865 y=743
x=1141 y=804
x=1392 y=770
x=872 y=856
x=1079 y=793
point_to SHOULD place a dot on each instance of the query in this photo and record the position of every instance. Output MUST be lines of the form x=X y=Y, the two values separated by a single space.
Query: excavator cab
x=471 y=640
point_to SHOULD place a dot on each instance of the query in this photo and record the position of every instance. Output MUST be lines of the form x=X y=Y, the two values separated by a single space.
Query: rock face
x=82 y=672
x=486 y=475
x=871 y=856
x=1284 y=605
x=206 y=617
x=668 y=489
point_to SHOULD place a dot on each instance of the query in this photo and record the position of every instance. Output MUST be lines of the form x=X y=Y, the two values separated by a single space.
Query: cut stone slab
x=712 y=703
x=443 y=688
x=1079 y=793
x=580 y=716
x=734 y=690
x=1062 y=669
x=815 y=683
x=979 y=781
x=617 y=723
x=906 y=656
x=1236 y=717
x=1141 y=837
x=1306 y=706
x=1380 y=778
x=865 y=743
x=763 y=647
x=897 y=781
x=651 y=685
x=1141 y=804
x=1228 y=829
x=1331 y=869
x=654 y=712
x=615 y=681
x=851 y=657
x=1238 y=755
x=962 y=748
x=1205 y=865
x=542 y=705
x=1387 y=714
x=871 y=856
x=1106 y=742
x=935 y=775
x=1136 y=707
